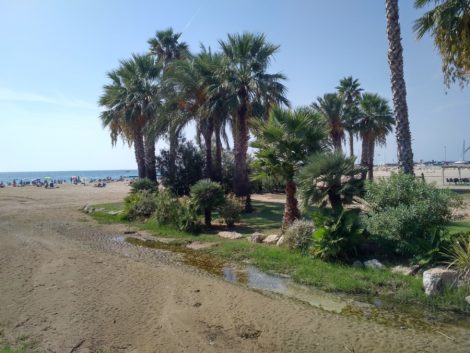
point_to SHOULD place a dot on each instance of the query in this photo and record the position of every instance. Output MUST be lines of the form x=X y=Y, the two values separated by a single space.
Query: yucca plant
x=459 y=257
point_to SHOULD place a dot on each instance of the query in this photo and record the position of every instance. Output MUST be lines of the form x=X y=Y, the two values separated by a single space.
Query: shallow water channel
x=369 y=308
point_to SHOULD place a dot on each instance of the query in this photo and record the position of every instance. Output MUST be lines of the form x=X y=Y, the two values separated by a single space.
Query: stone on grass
x=230 y=235
x=88 y=209
x=281 y=241
x=357 y=264
x=435 y=279
x=114 y=213
x=467 y=299
x=373 y=264
x=404 y=270
x=271 y=239
x=257 y=237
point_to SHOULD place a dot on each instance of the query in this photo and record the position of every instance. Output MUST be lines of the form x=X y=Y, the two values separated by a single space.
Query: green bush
x=139 y=205
x=167 y=208
x=205 y=196
x=143 y=184
x=187 y=217
x=299 y=236
x=459 y=256
x=338 y=233
x=409 y=214
x=230 y=210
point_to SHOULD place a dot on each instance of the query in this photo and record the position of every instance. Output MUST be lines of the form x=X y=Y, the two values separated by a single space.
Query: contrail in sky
x=192 y=19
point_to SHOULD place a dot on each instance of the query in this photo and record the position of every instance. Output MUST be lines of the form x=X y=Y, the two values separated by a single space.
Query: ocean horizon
x=8 y=177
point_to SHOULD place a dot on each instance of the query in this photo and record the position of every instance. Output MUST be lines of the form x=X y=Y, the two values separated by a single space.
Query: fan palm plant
x=375 y=123
x=349 y=90
x=283 y=144
x=131 y=103
x=395 y=61
x=330 y=107
x=246 y=85
x=448 y=22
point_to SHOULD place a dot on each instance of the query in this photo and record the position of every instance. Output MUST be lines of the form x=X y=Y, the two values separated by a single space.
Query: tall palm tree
x=449 y=25
x=330 y=107
x=350 y=90
x=395 y=60
x=131 y=102
x=283 y=143
x=246 y=82
x=375 y=123
x=166 y=48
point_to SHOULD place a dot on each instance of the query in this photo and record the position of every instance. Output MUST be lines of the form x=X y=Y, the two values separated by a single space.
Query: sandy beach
x=66 y=285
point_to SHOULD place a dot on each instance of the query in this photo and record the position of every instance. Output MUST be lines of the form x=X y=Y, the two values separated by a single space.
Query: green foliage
x=329 y=177
x=143 y=184
x=459 y=257
x=167 y=209
x=139 y=205
x=410 y=214
x=187 y=217
x=207 y=194
x=299 y=236
x=448 y=24
x=338 y=233
x=230 y=210
x=189 y=167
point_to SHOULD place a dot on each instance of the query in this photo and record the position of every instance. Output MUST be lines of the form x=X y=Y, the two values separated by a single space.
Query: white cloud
x=8 y=95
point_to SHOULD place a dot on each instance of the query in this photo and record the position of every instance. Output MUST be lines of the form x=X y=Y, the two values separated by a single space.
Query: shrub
x=205 y=196
x=167 y=208
x=338 y=233
x=299 y=235
x=230 y=210
x=409 y=214
x=187 y=217
x=189 y=167
x=139 y=205
x=143 y=184
x=459 y=256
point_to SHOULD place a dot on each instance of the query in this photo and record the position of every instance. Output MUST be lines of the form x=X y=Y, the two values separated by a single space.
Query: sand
x=66 y=284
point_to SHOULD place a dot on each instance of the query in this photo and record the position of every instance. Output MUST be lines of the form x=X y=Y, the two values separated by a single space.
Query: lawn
x=329 y=276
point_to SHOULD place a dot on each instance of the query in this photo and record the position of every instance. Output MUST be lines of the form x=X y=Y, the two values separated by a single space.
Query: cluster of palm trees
x=351 y=113
x=157 y=94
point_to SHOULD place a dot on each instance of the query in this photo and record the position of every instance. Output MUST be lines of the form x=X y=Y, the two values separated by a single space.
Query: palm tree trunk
x=241 y=185
x=139 y=150
x=336 y=138
x=365 y=155
x=208 y=132
x=218 y=154
x=351 y=143
x=291 y=210
x=370 y=162
x=150 y=158
x=208 y=217
x=173 y=141
x=395 y=61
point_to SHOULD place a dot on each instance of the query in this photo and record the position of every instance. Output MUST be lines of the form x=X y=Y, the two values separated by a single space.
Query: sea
x=66 y=175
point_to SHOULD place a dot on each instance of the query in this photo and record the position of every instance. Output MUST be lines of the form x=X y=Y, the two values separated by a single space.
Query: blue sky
x=55 y=54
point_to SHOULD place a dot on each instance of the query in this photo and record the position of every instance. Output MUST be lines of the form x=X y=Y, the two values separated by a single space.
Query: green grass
x=332 y=277
x=22 y=345
x=459 y=227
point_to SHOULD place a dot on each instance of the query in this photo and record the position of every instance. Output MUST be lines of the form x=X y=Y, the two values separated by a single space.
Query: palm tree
x=375 y=123
x=449 y=24
x=350 y=90
x=330 y=107
x=131 y=102
x=166 y=48
x=395 y=60
x=283 y=144
x=247 y=84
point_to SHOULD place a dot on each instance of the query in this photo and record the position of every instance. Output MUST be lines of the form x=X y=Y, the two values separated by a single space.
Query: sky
x=54 y=56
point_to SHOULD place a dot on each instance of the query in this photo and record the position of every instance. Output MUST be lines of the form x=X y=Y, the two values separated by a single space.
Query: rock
x=357 y=264
x=281 y=241
x=437 y=278
x=114 y=213
x=230 y=235
x=374 y=264
x=467 y=299
x=88 y=209
x=404 y=270
x=257 y=237
x=198 y=245
x=271 y=239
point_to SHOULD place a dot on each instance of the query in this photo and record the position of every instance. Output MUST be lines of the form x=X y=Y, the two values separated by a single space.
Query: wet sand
x=67 y=285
